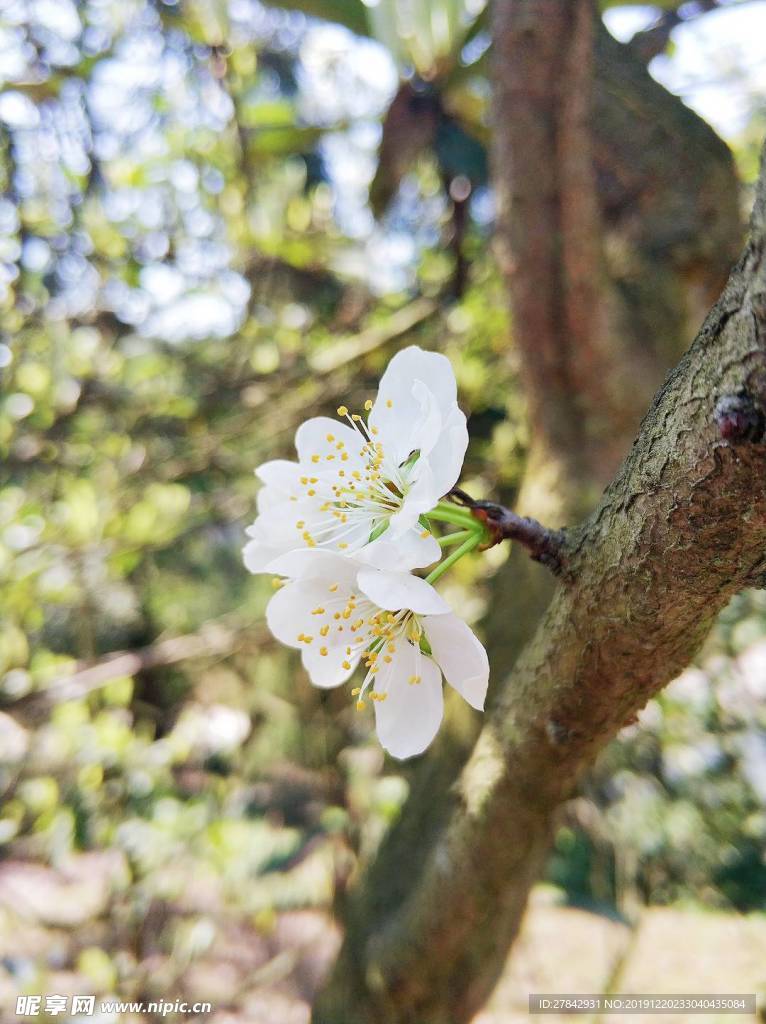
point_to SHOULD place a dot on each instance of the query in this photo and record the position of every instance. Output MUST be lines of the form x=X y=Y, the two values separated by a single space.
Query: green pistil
x=447 y=513
x=455 y=538
x=469 y=544
x=379 y=530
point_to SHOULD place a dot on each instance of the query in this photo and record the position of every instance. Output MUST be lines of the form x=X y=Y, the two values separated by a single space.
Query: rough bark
x=634 y=246
x=679 y=531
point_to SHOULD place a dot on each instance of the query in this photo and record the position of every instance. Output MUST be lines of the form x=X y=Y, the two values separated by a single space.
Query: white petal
x=445 y=460
x=406 y=415
x=412 y=364
x=311 y=439
x=427 y=428
x=280 y=474
x=460 y=655
x=421 y=497
x=271 y=497
x=290 y=612
x=326 y=670
x=409 y=550
x=257 y=556
x=311 y=564
x=395 y=590
x=410 y=716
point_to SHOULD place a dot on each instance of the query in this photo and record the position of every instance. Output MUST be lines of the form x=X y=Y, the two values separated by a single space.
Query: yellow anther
x=341 y=472
x=374 y=430
x=324 y=630
x=300 y=524
x=343 y=546
x=344 y=457
x=342 y=410
x=331 y=437
x=315 y=459
x=308 y=639
x=356 y=691
x=277 y=583
x=313 y=479
x=425 y=533
x=368 y=404
x=389 y=404
x=387 y=658
x=304 y=480
x=339 y=446
x=347 y=666
x=356 y=416
x=333 y=588
x=336 y=615
x=311 y=492
x=329 y=458
x=414 y=679
x=318 y=611
x=359 y=705
x=323 y=651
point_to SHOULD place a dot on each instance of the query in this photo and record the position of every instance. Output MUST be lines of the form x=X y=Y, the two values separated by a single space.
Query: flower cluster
x=342 y=530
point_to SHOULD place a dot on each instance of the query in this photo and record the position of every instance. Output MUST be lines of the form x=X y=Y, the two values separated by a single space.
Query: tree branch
x=213 y=639
x=544 y=545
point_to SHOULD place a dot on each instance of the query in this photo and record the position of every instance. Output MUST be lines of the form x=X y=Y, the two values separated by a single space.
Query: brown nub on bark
x=739 y=418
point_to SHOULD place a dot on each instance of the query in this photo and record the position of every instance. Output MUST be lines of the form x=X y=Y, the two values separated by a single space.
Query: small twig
x=544 y=545
x=213 y=640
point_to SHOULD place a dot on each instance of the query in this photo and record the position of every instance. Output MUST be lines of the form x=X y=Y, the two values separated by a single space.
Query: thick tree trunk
x=429 y=928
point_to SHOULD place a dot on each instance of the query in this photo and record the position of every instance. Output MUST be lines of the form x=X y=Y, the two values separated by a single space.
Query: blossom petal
x=421 y=497
x=417 y=393
x=310 y=564
x=408 y=365
x=279 y=474
x=427 y=427
x=445 y=460
x=395 y=590
x=460 y=655
x=291 y=612
x=311 y=440
x=326 y=670
x=410 y=716
x=402 y=552
x=258 y=556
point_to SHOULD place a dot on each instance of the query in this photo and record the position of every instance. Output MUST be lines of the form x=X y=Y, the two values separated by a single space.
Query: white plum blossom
x=339 y=613
x=361 y=488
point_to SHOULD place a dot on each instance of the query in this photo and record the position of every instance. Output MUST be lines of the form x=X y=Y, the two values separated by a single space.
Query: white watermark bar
x=86 y=1006
x=687 y=1002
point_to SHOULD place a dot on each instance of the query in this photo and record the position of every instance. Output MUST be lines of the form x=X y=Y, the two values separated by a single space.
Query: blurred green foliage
x=188 y=267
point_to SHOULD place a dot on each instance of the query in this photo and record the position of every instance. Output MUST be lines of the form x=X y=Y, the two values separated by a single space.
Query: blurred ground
x=266 y=972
